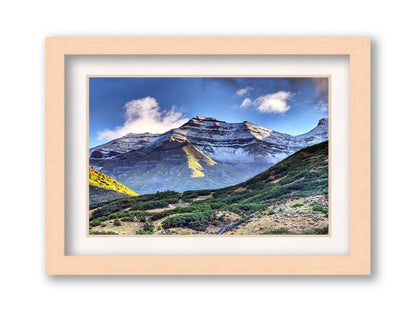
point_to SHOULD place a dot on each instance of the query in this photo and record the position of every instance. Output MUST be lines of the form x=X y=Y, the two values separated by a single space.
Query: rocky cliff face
x=203 y=153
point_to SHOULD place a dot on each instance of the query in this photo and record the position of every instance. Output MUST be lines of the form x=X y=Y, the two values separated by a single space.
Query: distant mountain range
x=204 y=153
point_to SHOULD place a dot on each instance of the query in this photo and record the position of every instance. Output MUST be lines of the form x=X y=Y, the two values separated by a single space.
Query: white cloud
x=241 y=92
x=270 y=103
x=273 y=102
x=144 y=115
x=246 y=103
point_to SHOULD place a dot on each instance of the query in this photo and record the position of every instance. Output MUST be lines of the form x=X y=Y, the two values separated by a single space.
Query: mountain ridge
x=134 y=140
x=156 y=162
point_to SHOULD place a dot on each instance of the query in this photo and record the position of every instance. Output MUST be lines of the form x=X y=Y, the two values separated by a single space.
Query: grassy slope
x=100 y=180
x=303 y=174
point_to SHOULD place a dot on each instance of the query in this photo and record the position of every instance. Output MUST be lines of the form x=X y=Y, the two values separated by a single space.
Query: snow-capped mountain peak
x=236 y=152
x=323 y=122
x=316 y=135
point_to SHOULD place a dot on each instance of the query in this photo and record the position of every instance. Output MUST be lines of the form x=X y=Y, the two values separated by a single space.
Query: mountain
x=202 y=153
x=290 y=197
x=316 y=135
x=102 y=187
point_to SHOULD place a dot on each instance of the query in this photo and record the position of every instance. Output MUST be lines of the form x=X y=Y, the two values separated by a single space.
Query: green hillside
x=102 y=187
x=289 y=198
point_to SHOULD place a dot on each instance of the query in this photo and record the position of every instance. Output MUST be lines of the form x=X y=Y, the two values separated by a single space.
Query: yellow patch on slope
x=193 y=163
x=99 y=179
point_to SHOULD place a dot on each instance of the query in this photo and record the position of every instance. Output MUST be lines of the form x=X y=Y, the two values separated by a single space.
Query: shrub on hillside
x=281 y=231
x=103 y=233
x=317 y=231
x=297 y=205
x=320 y=209
x=197 y=221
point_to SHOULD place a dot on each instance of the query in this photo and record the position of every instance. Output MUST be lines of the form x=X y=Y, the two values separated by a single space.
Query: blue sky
x=125 y=104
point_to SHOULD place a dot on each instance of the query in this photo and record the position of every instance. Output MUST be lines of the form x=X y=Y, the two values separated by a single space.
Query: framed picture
x=208 y=156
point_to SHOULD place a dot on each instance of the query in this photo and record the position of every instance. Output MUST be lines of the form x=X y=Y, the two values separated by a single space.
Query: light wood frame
x=358 y=262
